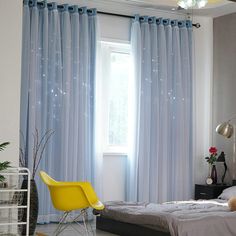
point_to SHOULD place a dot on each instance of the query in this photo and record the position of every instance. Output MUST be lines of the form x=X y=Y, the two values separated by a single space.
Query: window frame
x=107 y=48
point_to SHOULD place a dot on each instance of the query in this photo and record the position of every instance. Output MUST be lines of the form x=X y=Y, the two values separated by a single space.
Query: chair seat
x=98 y=206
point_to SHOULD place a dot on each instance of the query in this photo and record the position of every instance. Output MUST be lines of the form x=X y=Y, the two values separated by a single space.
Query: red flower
x=213 y=150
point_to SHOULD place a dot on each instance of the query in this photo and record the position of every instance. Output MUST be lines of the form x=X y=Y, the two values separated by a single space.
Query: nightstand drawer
x=208 y=191
x=203 y=195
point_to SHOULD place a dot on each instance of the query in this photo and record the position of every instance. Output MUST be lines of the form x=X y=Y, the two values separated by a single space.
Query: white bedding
x=188 y=218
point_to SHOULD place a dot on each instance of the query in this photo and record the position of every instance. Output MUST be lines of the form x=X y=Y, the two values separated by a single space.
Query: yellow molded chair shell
x=68 y=196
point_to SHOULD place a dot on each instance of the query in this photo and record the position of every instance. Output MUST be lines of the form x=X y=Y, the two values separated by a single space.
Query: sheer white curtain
x=58 y=92
x=160 y=160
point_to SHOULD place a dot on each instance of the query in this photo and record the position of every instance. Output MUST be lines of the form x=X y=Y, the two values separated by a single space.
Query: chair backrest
x=49 y=181
x=65 y=197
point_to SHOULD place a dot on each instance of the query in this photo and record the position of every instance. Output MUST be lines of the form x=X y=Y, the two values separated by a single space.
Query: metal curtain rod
x=197 y=25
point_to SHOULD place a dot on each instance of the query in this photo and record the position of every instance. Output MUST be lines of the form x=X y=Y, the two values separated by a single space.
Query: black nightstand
x=209 y=191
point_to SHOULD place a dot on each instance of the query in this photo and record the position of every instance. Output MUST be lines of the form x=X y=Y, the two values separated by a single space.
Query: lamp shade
x=225 y=129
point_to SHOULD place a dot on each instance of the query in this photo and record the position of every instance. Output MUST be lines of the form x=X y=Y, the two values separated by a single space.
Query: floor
x=49 y=229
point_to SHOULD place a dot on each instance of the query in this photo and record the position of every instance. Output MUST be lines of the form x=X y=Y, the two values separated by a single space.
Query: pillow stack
x=229 y=194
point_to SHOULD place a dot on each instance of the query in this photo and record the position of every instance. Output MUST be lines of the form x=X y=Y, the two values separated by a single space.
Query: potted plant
x=3 y=165
x=40 y=144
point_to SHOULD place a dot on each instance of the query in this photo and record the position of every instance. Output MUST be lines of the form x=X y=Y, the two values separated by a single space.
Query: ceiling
x=216 y=9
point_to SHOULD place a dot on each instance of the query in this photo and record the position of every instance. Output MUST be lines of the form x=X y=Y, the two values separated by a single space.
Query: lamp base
x=234 y=182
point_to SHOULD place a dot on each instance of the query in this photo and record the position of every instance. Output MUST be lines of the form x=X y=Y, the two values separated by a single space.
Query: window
x=115 y=75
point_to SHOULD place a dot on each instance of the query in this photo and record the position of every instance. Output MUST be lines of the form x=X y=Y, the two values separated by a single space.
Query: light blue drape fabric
x=58 y=86
x=160 y=160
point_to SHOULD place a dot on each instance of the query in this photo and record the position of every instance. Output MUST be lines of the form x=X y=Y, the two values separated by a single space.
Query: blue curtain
x=160 y=160
x=58 y=83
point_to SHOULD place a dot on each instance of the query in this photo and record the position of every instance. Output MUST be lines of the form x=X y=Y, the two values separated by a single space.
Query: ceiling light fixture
x=192 y=3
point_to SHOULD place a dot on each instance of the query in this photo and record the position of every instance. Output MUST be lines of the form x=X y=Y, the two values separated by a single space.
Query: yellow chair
x=70 y=196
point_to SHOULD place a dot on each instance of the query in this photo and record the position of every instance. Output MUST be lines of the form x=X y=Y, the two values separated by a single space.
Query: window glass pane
x=118 y=99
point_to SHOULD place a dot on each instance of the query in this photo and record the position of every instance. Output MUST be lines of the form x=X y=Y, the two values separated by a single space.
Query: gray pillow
x=228 y=193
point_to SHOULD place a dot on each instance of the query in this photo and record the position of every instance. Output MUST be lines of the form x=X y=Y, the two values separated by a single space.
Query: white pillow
x=228 y=193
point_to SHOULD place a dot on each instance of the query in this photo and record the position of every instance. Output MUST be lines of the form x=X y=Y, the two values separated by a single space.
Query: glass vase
x=214 y=174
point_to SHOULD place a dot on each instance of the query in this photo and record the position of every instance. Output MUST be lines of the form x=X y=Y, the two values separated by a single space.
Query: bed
x=183 y=218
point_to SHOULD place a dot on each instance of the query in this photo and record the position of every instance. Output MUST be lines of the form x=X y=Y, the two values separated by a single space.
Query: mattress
x=183 y=218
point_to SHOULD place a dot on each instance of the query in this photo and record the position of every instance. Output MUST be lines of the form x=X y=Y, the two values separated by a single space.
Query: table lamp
x=226 y=129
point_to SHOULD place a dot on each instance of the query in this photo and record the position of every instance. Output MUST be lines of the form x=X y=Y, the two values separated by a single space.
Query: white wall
x=10 y=69
x=203 y=77
x=114 y=175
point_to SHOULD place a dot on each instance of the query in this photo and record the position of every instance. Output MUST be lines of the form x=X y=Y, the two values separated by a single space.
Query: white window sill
x=121 y=154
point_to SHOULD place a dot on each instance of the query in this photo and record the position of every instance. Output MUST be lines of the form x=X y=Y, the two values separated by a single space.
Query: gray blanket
x=186 y=218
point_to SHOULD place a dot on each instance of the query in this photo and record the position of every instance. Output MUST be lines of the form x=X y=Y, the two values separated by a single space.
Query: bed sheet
x=182 y=218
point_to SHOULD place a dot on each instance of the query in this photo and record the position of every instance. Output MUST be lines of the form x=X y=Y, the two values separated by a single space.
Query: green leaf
x=4 y=165
x=2 y=178
x=3 y=145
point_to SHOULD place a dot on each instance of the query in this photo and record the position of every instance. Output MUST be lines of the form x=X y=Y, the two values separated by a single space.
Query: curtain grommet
x=83 y=10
